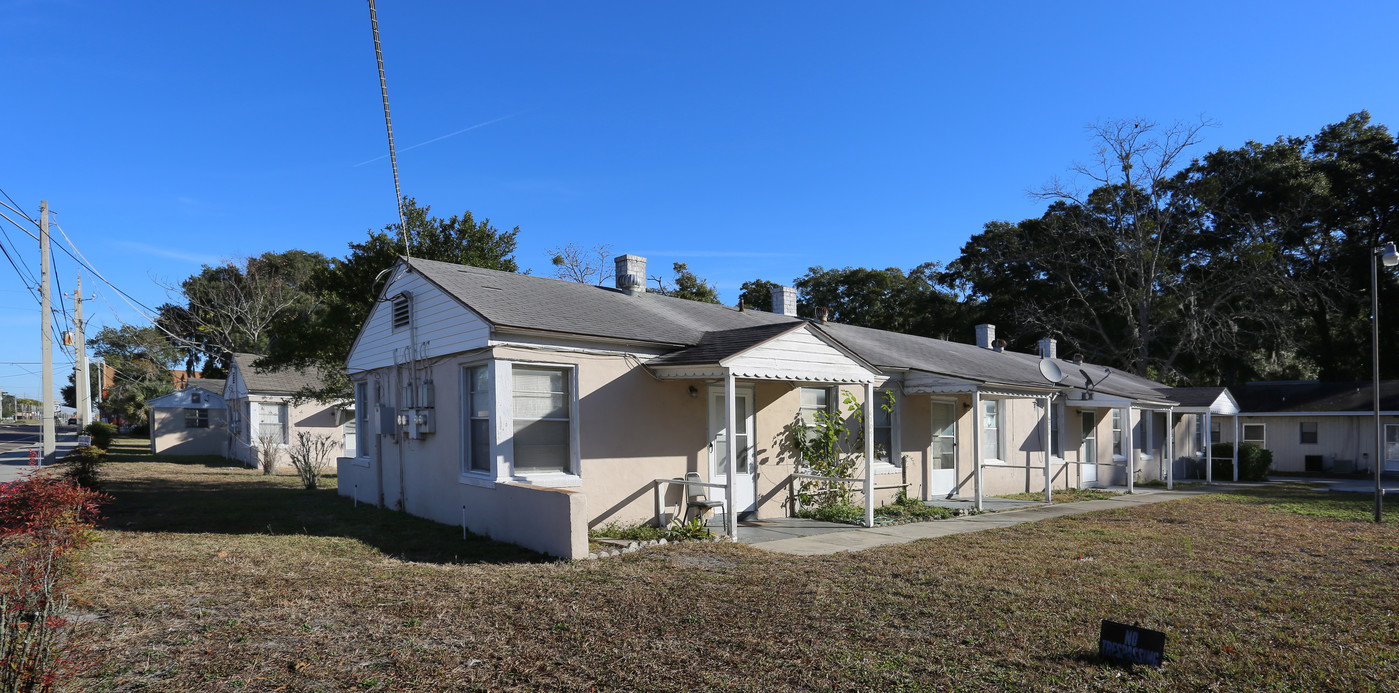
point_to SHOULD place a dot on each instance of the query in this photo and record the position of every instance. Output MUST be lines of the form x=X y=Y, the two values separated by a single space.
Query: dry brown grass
x=1251 y=599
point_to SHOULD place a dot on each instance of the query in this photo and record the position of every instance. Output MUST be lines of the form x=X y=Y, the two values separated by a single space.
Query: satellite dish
x=1050 y=371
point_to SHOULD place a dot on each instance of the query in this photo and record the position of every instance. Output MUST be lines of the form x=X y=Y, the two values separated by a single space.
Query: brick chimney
x=1048 y=348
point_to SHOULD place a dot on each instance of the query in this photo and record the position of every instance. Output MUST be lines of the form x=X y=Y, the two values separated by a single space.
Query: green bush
x=1254 y=462
x=84 y=466
x=848 y=513
x=102 y=434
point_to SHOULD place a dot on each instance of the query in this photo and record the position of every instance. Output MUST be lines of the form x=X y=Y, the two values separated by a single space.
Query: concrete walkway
x=828 y=541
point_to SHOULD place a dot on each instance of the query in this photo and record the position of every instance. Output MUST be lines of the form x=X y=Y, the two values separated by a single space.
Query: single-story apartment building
x=1313 y=426
x=529 y=409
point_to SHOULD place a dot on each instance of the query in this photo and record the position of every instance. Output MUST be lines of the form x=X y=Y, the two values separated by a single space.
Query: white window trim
x=890 y=466
x=362 y=409
x=1243 y=434
x=1056 y=418
x=504 y=458
x=286 y=425
x=1147 y=431
x=1119 y=438
x=1316 y=433
x=465 y=474
x=1002 y=416
x=1089 y=434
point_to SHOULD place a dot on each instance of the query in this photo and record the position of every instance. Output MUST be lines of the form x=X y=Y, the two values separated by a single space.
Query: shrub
x=102 y=434
x=310 y=456
x=848 y=513
x=1254 y=462
x=84 y=466
x=908 y=507
x=44 y=523
x=269 y=452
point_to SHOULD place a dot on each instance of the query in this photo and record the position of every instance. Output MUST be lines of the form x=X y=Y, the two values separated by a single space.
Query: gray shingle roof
x=720 y=344
x=971 y=362
x=1193 y=396
x=209 y=384
x=506 y=299
x=280 y=382
x=1310 y=395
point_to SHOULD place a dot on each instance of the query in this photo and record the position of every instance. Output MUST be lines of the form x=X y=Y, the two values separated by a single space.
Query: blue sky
x=751 y=140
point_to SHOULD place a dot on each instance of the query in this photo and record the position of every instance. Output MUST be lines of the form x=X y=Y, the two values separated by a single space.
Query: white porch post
x=976 y=448
x=1209 y=448
x=1127 y=446
x=1236 y=447
x=1048 y=446
x=730 y=508
x=1169 y=454
x=869 y=454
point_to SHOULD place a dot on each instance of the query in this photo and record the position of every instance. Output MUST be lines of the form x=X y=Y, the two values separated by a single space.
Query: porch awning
x=794 y=352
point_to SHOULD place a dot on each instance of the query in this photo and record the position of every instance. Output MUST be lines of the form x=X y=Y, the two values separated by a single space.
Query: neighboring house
x=192 y=421
x=262 y=409
x=1313 y=426
x=529 y=409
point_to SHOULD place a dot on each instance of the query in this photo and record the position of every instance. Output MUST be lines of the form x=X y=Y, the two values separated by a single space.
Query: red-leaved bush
x=44 y=523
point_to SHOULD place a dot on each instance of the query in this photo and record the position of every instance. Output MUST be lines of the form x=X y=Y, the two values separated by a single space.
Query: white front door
x=1088 y=471
x=942 y=466
x=745 y=481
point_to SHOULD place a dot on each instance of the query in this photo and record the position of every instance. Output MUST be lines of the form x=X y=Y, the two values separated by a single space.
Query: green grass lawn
x=216 y=578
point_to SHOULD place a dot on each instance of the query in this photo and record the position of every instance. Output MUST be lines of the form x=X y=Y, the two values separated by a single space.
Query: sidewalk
x=14 y=465
x=862 y=538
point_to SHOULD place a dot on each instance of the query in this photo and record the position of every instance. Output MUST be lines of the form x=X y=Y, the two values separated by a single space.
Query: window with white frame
x=814 y=399
x=476 y=391
x=196 y=418
x=1256 y=433
x=1090 y=438
x=361 y=420
x=1117 y=433
x=991 y=429
x=1200 y=433
x=271 y=423
x=1147 y=434
x=1215 y=427
x=1056 y=439
x=543 y=419
x=884 y=447
x=1307 y=431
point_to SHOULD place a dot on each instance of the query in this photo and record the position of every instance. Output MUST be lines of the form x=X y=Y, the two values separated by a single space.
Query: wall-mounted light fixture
x=694 y=391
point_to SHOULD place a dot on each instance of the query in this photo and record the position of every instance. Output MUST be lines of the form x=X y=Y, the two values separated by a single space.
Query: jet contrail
x=439 y=139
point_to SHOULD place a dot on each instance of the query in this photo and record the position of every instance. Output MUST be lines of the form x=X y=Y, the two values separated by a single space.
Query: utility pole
x=46 y=330
x=82 y=380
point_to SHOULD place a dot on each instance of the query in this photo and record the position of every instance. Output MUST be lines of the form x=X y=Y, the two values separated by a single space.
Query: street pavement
x=16 y=440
